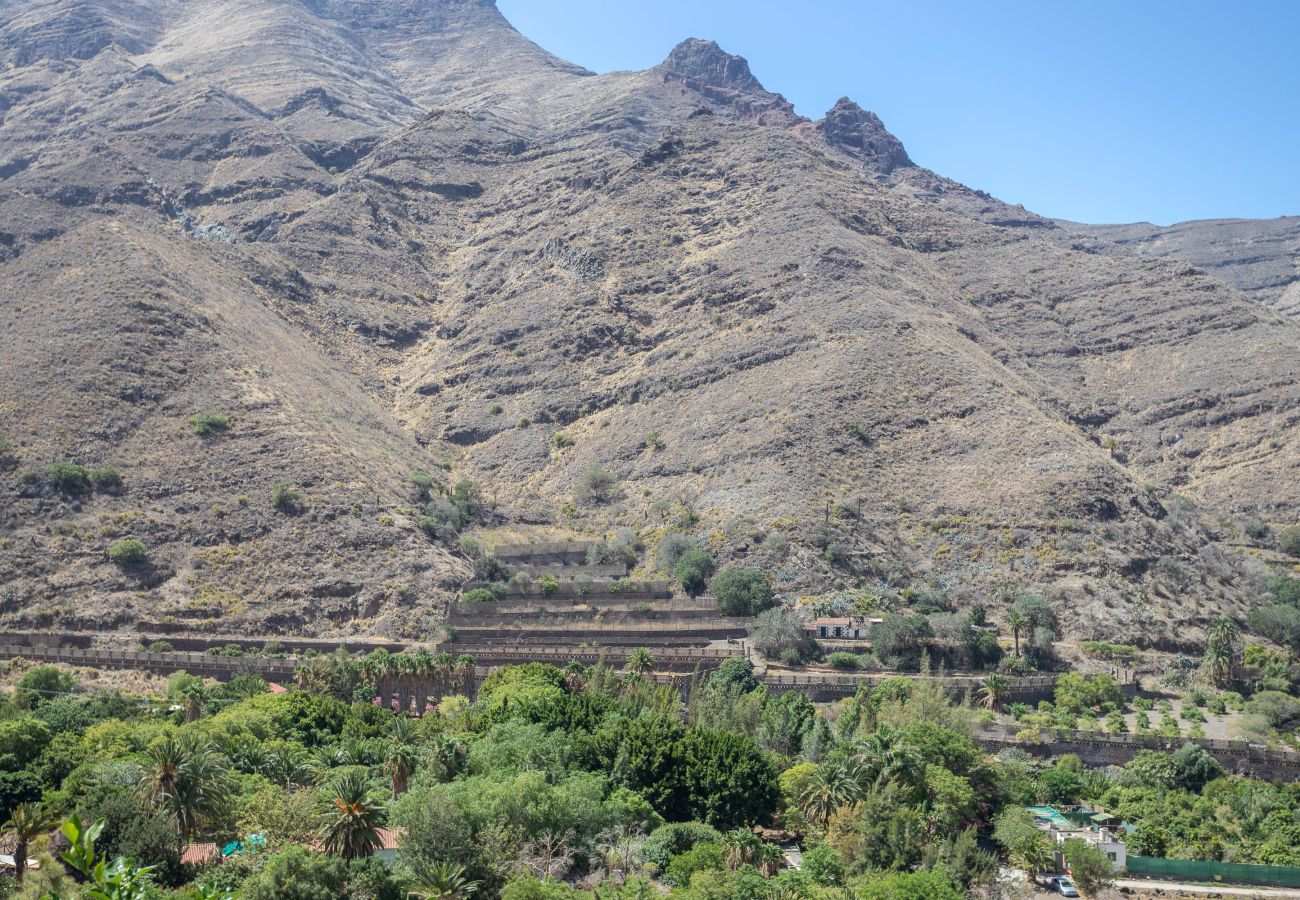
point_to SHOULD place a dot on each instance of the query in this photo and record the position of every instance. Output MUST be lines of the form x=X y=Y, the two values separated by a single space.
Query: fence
x=825 y=687
x=1202 y=870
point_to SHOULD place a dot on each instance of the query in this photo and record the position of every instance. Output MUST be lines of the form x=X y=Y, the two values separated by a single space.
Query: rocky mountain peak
x=704 y=61
x=850 y=126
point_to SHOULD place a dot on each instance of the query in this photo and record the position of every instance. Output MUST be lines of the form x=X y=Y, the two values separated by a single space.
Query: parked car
x=1064 y=886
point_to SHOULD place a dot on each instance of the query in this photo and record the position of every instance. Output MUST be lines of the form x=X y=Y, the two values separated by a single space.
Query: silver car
x=1064 y=886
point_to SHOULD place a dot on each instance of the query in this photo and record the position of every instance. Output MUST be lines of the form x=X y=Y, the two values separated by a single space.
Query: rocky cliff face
x=397 y=235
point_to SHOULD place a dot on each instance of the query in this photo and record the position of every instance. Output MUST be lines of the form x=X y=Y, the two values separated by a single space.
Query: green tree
x=295 y=873
x=1222 y=649
x=1016 y=621
x=22 y=740
x=27 y=822
x=399 y=765
x=741 y=591
x=693 y=569
x=1288 y=540
x=640 y=661
x=1026 y=847
x=993 y=689
x=41 y=684
x=728 y=780
x=1088 y=865
x=440 y=880
x=187 y=778
x=351 y=816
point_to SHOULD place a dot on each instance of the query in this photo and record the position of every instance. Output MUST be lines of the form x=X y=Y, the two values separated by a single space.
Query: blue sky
x=1094 y=110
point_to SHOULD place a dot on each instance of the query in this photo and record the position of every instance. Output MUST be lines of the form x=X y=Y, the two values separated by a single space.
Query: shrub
x=595 y=487
x=284 y=498
x=423 y=483
x=1288 y=541
x=742 y=592
x=622 y=550
x=561 y=440
x=775 y=543
x=128 y=552
x=653 y=442
x=842 y=659
x=208 y=423
x=478 y=595
x=105 y=478
x=897 y=640
x=8 y=457
x=693 y=569
x=495 y=409
x=779 y=634
x=159 y=647
x=548 y=584
x=68 y=478
x=1257 y=528
x=670 y=549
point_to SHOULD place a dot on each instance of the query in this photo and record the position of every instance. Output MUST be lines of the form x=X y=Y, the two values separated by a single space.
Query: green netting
x=1197 y=870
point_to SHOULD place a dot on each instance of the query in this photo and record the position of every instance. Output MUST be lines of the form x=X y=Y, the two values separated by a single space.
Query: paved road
x=1170 y=886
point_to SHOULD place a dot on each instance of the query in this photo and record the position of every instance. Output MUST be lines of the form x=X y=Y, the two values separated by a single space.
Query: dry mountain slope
x=391 y=234
x=1259 y=257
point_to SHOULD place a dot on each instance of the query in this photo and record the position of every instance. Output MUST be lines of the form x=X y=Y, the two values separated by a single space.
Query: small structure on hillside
x=840 y=628
x=1096 y=827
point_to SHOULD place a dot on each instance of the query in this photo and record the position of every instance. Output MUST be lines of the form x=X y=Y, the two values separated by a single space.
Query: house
x=389 y=838
x=843 y=628
x=1098 y=828
x=7 y=861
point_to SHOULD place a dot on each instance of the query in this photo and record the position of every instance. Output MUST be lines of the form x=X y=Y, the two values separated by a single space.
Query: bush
x=548 y=584
x=653 y=442
x=622 y=550
x=105 y=478
x=1288 y=541
x=208 y=423
x=478 y=595
x=595 y=487
x=676 y=838
x=159 y=647
x=672 y=546
x=1257 y=528
x=842 y=659
x=897 y=640
x=423 y=483
x=693 y=569
x=778 y=633
x=128 y=552
x=8 y=457
x=562 y=440
x=742 y=592
x=284 y=498
x=68 y=478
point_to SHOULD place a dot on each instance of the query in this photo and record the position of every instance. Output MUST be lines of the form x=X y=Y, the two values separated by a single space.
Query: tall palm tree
x=399 y=766
x=1016 y=620
x=351 y=817
x=1221 y=649
x=995 y=687
x=196 y=698
x=740 y=847
x=440 y=880
x=640 y=661
x=188 y=778
x=27 y=822
x=286 y=768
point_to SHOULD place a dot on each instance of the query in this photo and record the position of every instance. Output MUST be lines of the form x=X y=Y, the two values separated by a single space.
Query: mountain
x=1259 y=257
x=391 y=235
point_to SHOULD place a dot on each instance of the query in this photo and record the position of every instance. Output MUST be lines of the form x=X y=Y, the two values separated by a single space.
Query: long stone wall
x=219 y=667
x=1098 y=749
x=824 y=688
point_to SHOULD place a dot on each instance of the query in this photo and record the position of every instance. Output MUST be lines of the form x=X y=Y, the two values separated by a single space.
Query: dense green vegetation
x=554 y=782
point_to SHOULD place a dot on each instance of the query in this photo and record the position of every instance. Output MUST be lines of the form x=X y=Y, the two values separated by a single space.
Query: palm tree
x=740 y=847
x=27 y=822
x=286 y=768
x=995 y=687
x=1221 y=649
x=351 y=817
x=1032 y=854
x=1016 y=620
x=195 y=697
x=440 y=880
x=640 y=661
x=399 y=766
x=446 y=756
x=829 y=788
x=188 y=778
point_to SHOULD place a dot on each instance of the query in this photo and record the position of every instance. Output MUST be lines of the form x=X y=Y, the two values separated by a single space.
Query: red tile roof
x=199 y=853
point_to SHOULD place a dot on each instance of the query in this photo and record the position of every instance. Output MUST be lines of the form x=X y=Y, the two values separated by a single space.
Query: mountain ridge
x=924 y=390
